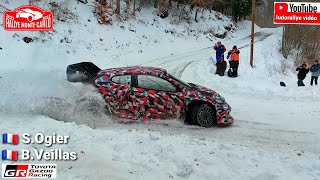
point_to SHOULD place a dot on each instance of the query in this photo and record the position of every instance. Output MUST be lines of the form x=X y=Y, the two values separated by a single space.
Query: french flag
x=9 y=155
x=8 y=138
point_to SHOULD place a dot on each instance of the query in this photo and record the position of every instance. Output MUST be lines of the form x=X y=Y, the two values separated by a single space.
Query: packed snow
x=276 y=130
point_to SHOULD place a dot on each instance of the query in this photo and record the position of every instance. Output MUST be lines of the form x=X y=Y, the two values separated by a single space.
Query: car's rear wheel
x=203 y=115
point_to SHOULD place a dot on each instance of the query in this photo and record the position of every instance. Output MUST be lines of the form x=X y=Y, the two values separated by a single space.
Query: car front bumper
x=224 y=117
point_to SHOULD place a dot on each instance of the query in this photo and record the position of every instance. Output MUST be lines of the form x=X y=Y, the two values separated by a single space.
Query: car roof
x=133 y=70
x=27 y=10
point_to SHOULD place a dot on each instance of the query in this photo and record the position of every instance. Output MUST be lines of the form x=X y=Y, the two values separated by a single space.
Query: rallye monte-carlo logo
x=28 y=18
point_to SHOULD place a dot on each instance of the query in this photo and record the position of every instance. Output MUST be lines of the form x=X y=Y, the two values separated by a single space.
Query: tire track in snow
x=261 y=39
x=178 y=72
x=260 y=135
x=177 y=57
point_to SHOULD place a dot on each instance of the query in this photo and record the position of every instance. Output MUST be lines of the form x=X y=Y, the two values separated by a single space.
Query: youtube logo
x=302 y=13
x=281 y=7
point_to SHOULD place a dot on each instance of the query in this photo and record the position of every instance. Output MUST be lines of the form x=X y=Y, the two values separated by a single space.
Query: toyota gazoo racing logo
x=22 y=171
x=28 y=18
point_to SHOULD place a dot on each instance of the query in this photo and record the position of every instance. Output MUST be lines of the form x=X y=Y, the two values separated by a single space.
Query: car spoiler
x=82 y=72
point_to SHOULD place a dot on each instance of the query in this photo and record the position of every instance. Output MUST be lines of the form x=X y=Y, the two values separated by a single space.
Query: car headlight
x=225 y=106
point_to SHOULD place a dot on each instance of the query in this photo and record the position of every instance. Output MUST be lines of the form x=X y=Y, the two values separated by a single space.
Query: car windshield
x=180 y=81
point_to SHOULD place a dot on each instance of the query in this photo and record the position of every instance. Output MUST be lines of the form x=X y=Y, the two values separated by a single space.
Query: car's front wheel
x=203 y=115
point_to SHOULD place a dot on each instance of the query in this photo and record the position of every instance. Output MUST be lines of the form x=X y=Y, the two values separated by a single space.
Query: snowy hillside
x=276 y=130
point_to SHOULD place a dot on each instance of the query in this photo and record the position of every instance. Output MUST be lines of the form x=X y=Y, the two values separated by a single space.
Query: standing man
x=315 y=72
x=234 y=55
x=303 y=71
x=220 y=49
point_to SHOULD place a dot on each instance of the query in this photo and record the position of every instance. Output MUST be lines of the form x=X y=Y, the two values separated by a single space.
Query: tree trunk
x=155 y=5
x=170 y=3
x=118 y=7
x=282 y=44
x=235 y=18
x=140 y=4
x=134 y=8
x=195 y=17
x=127 y=6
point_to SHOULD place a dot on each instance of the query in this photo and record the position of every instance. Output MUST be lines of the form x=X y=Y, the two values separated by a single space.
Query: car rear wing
x=82 y=72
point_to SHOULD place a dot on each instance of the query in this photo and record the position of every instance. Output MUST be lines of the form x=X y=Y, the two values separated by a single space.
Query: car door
x=117 y=93
x=155 y=97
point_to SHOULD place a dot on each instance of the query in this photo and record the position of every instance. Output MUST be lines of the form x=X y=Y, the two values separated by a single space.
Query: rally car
x=29 y=14
x=144 y=93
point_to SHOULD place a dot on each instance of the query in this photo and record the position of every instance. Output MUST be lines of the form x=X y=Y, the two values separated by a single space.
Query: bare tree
x=198 y=5
x=127 y=6
x=103 y=12
x=117 y=7
x=141 y=2
x=302 y=42
x=134 y=8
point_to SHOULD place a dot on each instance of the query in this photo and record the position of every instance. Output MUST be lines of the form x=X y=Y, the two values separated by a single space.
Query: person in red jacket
x=234 y=55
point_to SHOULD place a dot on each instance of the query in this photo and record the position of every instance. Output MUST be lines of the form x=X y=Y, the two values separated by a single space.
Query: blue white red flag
x=8 y=138
x=9 y=155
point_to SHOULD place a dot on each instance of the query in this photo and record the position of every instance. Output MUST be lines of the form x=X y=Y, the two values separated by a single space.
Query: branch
x=4 y=7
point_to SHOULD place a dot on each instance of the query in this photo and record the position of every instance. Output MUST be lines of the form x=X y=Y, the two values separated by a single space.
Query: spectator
x=315 y=72
x=221 y=67
x=220 y=49
x=303 y=71
x=234 y=63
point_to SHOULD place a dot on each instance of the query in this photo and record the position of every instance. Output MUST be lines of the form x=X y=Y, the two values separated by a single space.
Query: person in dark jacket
x=315 y=72
x=220 y=49
x=234 y=55
x=221 y=67
x=303 y=71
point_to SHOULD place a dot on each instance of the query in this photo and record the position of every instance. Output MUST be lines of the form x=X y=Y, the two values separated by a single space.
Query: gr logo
x=14 y=171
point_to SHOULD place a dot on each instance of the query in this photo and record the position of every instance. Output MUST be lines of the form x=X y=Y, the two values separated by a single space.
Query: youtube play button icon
x=281 y=7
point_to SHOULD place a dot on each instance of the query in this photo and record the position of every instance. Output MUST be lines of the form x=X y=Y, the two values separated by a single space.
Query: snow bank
x=144 y=154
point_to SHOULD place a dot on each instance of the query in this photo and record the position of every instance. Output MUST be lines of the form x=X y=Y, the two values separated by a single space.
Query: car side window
x=155 y=83
x=123 y=79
